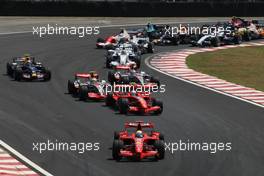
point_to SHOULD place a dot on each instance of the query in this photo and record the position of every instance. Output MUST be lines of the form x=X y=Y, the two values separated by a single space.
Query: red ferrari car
x=107 y=43
x=141 y=103
x=138 y=145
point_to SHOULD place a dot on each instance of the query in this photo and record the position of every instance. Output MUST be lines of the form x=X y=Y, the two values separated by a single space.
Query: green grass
x=243 y=65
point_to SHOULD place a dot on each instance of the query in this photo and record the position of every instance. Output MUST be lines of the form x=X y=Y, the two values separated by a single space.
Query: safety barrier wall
x=133 y=9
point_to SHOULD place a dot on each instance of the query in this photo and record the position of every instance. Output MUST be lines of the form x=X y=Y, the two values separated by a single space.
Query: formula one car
x=108 y=43
x=143 y=44
x=87 y=86
x=94 y=90
x=163 y=36
x=250 y=32
x=80 y=79
x=17 y=62
x=126 y=75
x=112 y=41
x=26 y=68
x=138 y=145
x=131 y=102
x=260 y=28
x=220 y=37
x=248 y=29
x=124 y=55
x=207 y=40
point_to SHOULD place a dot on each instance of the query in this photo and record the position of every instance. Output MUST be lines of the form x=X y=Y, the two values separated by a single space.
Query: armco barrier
x=118 y=9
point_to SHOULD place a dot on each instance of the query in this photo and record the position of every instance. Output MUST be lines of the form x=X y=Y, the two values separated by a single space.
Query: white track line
x=123 y=25
x=24 y=159
x=231 y=93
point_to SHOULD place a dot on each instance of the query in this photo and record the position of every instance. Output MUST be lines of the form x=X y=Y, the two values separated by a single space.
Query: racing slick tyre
x=110 y=47
x=111 y=77
x=109 y=101
x=47 y=76
x=83 y=94
x=215 y=42
x=155 y=80
x=9 y=70
x=108 y=62
x=247 y=36
x=237 y=40
x=158 y=103
x=161 y=137
x=70 y=87
x=117 y=146
x=123 y=105
x=116 y=135
x=138 y=62
x=160 y=146
x=18 y=75
x=176 y=40
x=100 y=40
x=150 y=48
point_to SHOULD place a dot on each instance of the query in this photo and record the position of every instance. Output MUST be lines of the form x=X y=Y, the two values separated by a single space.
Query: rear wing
x=83 y=75
x=139 y=125
x=122 y=67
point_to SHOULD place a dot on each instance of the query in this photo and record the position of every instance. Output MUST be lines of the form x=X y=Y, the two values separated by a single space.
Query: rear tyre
x=116 y=135
x=161 y=136
x=155 y=80
x=111 y=77
x=160 y=104
x=117 y=146
x=160 y=146
x=248 y=36
x=216 y=42
x=109 y=101
x=100 y=40
x=70 y=87
x=138 y=62
x=237 y=40
x=150 y=48
x=47 y=75
x=108 y=62
x=123 y=105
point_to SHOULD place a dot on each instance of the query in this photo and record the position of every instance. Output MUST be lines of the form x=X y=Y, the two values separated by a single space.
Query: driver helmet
x=27 y=58
x=139 y=134
x=103 y=82
x=93 y=79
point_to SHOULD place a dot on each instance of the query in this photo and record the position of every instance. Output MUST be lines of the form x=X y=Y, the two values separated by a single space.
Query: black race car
x=26 y=68
x=126 y=75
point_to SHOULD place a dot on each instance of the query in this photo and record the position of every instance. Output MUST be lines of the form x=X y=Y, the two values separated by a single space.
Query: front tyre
x=117 y=146
x=83 y=94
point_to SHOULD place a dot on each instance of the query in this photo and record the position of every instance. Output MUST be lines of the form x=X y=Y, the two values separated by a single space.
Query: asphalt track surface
x=34 y=112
